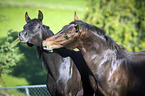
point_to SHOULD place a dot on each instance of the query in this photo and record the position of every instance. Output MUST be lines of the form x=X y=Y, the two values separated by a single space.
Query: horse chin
x=29 y=44
x=23 y=41
x=50 y=51
x=69 y=47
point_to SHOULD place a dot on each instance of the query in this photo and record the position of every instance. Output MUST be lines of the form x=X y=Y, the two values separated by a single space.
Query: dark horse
x=63 y=77
x=118 y=71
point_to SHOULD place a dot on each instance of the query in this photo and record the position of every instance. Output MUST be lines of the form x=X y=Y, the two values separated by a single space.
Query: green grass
x=12 y=81
x=8 y=80
x=49 y=3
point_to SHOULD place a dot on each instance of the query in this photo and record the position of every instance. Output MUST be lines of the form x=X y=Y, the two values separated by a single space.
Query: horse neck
x=51 y=61
x=97 y=53
x=58 y=67
x=91 y=46
x=61 y=68
x=101 y=56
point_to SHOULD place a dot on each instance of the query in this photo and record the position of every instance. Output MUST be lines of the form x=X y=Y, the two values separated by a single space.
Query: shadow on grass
x=29 y=67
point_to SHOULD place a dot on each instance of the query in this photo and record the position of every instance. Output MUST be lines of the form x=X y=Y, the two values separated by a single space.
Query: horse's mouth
x=23 y=40
x=26 y=42
x=29 y=44
x=49 y=49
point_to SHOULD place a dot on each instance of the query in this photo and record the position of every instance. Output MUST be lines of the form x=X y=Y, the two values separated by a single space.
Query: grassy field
x=57 y=13
x=13 y=81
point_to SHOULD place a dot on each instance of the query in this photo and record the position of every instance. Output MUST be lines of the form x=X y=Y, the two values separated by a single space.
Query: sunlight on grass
x=12 y=81
x=59 y=3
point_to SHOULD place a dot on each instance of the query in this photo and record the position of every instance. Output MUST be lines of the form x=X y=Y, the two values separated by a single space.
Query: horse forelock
x=31 y=23
x=46 y=29
x=33 y=20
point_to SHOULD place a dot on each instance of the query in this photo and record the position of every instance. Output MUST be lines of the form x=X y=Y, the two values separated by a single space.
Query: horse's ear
x=76 y=17
x=27 y=18
x=40 y=16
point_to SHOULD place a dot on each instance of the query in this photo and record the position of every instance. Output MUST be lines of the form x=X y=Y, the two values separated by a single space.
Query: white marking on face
x=65 y=70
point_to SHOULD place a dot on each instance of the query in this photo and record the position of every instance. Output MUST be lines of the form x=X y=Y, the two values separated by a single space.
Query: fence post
x=27 y=91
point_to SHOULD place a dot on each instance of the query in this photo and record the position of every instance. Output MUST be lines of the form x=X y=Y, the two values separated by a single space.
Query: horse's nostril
x=45 y=46
x=25 y=33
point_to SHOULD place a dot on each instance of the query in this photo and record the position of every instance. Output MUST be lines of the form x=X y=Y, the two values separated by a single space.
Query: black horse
x=118 y=71
x=63 y=78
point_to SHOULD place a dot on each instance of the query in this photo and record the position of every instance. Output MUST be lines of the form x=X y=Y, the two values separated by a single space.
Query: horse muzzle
x=50 y=45
x=22 y=37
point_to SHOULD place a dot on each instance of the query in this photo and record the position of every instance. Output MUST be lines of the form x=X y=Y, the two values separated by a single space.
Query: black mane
x=138 y=57
x=46 y=27
x=109 y=41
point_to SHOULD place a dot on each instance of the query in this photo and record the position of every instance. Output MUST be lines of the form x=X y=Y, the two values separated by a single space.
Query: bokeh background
x=123 y=20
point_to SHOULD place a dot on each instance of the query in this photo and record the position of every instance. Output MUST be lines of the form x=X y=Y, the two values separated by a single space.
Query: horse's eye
x=38 y=26
x=66 y=37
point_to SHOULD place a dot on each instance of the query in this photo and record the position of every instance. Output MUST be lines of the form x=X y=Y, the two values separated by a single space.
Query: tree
x=9 y=54
x=123 y=20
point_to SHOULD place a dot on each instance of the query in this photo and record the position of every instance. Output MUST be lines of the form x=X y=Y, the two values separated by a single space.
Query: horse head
x=34 y=32
x=68 y=34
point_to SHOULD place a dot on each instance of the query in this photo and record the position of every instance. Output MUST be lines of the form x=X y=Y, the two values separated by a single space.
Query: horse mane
x=112 y=44
x=48 y=31
x=131 y=57
x=46 y=28
x=109 y=41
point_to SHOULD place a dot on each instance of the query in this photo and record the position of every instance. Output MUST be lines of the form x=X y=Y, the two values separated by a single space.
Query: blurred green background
x=123 y=20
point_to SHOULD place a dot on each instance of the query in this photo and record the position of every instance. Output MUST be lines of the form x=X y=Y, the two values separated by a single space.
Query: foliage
x=9 y=55
x=123 y=20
